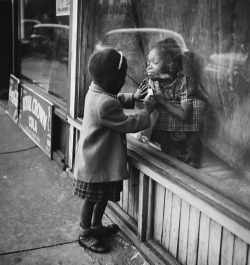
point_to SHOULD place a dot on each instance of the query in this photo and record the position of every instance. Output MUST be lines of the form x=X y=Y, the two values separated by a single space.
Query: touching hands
x=160 y=99
x=150 y=103
x=141 y=92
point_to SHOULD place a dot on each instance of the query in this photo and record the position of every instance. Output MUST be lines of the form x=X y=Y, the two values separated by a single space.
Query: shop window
x=219 y=40
x=45 y=44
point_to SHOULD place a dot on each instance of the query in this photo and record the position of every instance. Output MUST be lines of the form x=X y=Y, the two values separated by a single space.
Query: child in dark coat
x=101 y=159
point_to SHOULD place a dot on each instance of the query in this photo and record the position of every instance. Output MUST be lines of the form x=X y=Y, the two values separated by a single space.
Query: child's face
x=155 y=65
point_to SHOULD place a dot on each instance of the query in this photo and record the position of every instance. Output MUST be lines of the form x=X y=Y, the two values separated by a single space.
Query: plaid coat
x=101 y=155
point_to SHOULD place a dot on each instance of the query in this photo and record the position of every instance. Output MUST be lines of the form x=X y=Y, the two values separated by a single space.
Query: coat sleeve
x=126 y=100
x=113 y=117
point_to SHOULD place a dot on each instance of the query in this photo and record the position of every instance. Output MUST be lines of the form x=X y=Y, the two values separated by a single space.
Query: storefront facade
x=55 y=40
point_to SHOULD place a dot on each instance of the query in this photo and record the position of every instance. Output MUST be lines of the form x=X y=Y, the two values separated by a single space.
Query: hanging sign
x=62 y=7
x=35 y=118
x=13 y=100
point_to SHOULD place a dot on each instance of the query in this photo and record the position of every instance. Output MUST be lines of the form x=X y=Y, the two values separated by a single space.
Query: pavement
x=39 y=215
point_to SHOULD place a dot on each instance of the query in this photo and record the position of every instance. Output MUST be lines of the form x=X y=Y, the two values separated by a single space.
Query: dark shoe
x=90 y=242
x=105 y=230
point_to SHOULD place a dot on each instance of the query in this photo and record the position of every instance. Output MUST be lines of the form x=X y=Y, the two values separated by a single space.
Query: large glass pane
x=44 y=44
x=217 y=34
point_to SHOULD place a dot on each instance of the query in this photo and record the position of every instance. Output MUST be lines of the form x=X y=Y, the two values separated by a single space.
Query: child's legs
x=99 y=210
x=86 y=214
x=161 y=137
x=194 y=146
x=92 y=213
x=172 y=143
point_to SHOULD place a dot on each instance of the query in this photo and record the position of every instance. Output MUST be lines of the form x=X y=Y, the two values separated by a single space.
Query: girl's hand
x=149 y=103
x=160 y=99
x=141 y=92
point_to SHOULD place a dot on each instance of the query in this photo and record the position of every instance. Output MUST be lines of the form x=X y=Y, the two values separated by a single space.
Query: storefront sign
x=62 y=7
x=13 y=102
x=35 y=118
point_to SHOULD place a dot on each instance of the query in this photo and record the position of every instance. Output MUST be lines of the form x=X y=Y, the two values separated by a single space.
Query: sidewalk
x=39 y=214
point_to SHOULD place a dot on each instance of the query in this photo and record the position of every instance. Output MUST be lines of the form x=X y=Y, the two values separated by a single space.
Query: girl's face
x=155 y=65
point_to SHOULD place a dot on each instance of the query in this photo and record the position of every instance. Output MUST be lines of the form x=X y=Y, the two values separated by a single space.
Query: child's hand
x=160 y=99
x=141 y=92
x=149 y=103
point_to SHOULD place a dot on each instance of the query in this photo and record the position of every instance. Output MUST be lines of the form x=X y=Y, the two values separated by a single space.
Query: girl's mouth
x=150 y=73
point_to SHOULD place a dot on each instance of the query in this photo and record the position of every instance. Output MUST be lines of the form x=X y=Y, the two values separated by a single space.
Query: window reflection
x=221 y=44
x=44 y=46
x=135 y=44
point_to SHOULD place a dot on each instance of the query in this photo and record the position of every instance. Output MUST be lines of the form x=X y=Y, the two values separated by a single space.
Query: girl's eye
x=156 y=61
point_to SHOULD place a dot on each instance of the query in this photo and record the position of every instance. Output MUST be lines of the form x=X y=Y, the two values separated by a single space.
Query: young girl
x=180 y=103
x=101 y=159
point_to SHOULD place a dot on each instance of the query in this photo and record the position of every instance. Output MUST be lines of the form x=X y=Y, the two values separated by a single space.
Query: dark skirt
x=96 y=192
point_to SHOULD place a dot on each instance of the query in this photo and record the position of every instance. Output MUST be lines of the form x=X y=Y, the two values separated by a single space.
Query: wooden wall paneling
x=125 y=195
x=194 y=222
x=240 y=252
x=158 y=212
x=183 y=234
x=133 y=192
x=150 y=217
x=167 y=219
x=227 y=247
x=214 y=243
x=203 y=240
x=175 y=224
x=222 y=210
x=143 y=206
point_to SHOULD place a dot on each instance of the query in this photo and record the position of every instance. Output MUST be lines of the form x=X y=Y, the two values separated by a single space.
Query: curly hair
x=171 y=52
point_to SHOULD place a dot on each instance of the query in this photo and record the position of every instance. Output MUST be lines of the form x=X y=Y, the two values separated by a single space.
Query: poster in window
x=62 y=7
x=35 y=118
x=13 y=99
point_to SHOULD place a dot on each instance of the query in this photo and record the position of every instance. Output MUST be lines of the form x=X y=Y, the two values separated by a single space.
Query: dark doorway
x=5 y=46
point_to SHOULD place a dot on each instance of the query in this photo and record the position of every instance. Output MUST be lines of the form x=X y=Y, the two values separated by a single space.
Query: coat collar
x=97 y=89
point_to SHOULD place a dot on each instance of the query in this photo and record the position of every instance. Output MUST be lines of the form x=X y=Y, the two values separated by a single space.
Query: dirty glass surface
x=44 y=45
x=217 y=33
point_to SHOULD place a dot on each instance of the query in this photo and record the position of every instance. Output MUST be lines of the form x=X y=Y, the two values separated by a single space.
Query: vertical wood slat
x=136 y=195
x=214 y=243
x=158 y=211
x=143 y=206
x=150 y=217
x=240 y=252
x=227 y=247
x=125 y=195
x=175 y=222
x=133 y=192
x=203 y=240
x=183 y=237
x=193 y=236
x=167 y=219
